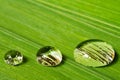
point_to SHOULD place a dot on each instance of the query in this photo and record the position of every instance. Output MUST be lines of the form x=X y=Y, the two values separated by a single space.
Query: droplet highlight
x=94 y=53
x=13 y=57
x=49 y=56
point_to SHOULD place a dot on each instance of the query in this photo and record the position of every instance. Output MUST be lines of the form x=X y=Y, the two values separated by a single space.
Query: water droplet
x=49 y=56
x=94 y=53
x=13 y=57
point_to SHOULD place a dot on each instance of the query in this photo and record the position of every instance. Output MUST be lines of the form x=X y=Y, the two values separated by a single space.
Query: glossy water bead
x=94 y=53
x=13 y=57
x=49 y=56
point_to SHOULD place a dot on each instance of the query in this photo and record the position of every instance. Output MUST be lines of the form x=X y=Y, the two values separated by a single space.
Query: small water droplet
x=13 y=57
x=49 y=56
x=94 y=53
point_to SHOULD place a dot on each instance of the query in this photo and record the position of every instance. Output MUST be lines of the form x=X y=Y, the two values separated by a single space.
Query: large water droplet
x=49 y=56
x=94 y=53
x=13 y=57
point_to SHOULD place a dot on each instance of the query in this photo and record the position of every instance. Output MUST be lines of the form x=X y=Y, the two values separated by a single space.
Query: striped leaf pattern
x=28 y=25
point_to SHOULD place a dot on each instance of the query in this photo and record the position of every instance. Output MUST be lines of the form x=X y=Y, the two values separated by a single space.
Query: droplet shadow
x=25 y=59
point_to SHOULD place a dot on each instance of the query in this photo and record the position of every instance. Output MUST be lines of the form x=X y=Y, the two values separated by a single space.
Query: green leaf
x=28 y=25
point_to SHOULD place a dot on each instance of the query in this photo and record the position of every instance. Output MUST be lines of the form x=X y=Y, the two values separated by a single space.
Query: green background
x=27 y=25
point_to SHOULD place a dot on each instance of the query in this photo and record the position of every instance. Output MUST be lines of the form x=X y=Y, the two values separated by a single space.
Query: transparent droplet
x=94 y=53
x=49 y=56
x=13 y=57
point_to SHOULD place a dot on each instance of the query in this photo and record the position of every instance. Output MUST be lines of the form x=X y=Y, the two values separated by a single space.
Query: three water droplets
x=93 y=53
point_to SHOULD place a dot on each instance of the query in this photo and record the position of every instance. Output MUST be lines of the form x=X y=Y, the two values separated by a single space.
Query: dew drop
x=49 y=56
x=94 y=53
x=13 y=57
